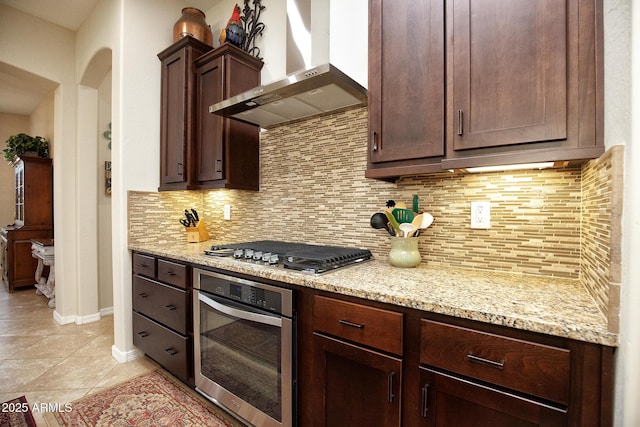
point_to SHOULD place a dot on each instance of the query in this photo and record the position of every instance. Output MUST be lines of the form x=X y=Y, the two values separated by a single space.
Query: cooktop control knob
x=248 y=253
x=238 y=254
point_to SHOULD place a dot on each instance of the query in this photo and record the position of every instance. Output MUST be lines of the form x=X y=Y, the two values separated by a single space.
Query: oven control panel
x=255 y=294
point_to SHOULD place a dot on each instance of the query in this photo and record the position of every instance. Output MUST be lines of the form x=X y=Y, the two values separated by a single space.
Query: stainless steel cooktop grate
x=296 y=256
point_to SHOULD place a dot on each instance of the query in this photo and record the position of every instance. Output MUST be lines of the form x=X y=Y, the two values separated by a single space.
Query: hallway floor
x=49 y=363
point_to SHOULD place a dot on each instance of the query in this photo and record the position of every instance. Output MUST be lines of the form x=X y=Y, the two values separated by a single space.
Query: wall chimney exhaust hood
x=308 y=93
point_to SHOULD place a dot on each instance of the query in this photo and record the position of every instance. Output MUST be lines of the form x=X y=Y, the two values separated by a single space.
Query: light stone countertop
x=553 y=306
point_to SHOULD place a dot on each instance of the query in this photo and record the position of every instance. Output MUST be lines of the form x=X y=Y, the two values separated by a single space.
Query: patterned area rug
x=16 y=413
x=152 y=399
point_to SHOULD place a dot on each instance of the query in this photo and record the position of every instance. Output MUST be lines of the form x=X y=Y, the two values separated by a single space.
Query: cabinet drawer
x=373 y=327
x=164 y=346
x=528 y=367
x=173 y=273
x=161 y=302
x=144 y=265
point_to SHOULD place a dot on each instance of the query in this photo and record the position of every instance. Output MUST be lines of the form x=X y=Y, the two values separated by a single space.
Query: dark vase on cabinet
x=33 y=220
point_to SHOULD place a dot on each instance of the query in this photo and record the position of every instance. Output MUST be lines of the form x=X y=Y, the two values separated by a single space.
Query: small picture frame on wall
x=107 y=178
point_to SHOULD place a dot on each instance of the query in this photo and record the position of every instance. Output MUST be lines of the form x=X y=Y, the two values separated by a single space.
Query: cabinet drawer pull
x=171 y=351
x=143 y=334
x=169 y=273
x=390 y=394
x=142 y=295
x=425 y=400
x=476 y=359
x=353 y=325
x=170 y=307
x=142 y=265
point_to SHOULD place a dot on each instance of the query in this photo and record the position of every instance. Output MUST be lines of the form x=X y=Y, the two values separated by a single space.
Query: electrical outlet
x=227 y=212
x=480 y=214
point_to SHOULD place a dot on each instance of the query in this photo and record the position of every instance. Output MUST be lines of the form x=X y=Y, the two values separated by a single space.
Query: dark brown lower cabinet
x=162 y=315
x=170 y=349
x=451 y=401
x=358 y=386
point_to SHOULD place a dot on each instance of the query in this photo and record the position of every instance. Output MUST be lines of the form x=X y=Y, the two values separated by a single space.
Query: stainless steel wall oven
x=244 y=347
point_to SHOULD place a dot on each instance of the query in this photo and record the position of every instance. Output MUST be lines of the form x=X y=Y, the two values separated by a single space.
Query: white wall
x=105 y=263
x=53 y=60
x=349 y=26
x=136 y=135
x=622 y=29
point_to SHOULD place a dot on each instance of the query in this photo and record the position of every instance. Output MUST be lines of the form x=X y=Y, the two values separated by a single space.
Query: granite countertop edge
x=543 y=304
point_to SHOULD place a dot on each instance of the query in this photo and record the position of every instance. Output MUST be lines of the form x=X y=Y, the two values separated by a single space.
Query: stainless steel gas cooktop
x=314 y=259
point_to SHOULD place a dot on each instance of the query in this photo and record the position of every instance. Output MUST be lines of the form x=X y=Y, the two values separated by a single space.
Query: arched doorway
x=95 y=278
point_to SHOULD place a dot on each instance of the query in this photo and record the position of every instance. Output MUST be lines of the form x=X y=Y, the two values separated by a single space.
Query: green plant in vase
x=22 y=143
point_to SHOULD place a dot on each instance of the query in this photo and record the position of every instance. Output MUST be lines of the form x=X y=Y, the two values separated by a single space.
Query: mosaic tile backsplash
x=313 y=189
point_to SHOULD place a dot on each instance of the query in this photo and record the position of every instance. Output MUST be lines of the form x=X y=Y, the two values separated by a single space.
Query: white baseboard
x=106 y=311
x=125 y=356
x=78 y=320
x=63 y=320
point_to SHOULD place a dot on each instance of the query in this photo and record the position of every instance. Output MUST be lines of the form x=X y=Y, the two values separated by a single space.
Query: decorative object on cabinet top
x=20 y=144
x=193 y=23
x=243 y=28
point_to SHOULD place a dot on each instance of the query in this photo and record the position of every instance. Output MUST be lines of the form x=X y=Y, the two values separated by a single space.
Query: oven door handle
x=245 y=313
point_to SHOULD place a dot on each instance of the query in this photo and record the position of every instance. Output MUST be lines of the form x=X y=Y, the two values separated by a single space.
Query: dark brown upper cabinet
x=406 y=87
x=524 y=81
x=199 y=150
x=227 y=150
x=178 y=110
x=507 y=81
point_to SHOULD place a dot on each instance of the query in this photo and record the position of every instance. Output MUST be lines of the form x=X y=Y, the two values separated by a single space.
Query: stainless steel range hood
x=312 y=92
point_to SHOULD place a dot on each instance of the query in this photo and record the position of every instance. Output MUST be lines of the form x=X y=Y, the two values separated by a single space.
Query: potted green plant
x=19 y=144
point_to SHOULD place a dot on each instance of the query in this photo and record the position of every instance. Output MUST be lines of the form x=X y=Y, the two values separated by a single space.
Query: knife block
x=198 y=233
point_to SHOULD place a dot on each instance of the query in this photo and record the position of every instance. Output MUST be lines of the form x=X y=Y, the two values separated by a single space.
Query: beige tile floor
x=51 y=363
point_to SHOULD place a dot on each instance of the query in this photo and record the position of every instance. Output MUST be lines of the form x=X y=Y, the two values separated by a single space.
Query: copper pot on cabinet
x=193 y=23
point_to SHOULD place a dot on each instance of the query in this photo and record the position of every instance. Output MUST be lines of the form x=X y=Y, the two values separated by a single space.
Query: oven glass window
x=243 y=357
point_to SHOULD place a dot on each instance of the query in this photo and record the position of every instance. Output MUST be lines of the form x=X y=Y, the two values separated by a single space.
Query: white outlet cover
x=481 y=215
